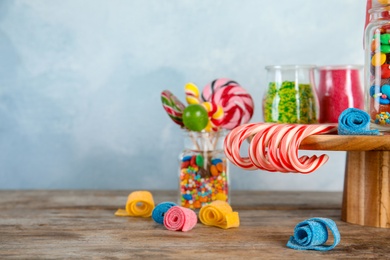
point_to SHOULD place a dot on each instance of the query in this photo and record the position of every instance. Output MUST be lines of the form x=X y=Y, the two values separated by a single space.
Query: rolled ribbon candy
x=178 y=218
x=173 y=106
x=274 y=147
x=235 y=101
x=160 y=210
x=353 y=121
x=139 y=204
x=312 y=234
x=220 y=214
x=192 y=93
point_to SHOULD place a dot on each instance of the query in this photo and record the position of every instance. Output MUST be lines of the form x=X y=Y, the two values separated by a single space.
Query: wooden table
x=81 y=224
x=366 y=195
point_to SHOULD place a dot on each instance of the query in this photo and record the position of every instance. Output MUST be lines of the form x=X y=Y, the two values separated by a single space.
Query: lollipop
x=215 y=113
x=195 y=117
x=173 y=107
x=192 y=93
x=235 y=101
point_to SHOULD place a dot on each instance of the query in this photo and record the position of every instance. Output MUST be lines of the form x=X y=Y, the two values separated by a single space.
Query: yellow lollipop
x=192 y=93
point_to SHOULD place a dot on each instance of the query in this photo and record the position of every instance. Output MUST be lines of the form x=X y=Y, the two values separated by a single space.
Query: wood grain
x=346 y=143
x=366 y=199
x=81 y=224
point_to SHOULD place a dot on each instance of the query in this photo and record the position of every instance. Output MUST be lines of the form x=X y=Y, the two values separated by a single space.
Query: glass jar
x=339 y=88
x=203 y=169
x=377 y=67
x=291 y=95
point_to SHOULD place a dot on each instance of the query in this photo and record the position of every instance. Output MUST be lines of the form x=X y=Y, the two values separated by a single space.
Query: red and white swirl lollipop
x=235 y=101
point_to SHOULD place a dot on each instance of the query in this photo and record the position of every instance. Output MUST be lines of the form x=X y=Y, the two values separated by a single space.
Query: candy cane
x=274 y=147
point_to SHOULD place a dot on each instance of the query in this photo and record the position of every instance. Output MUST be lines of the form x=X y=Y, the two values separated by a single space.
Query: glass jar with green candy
x=290 y=96
x=203 y=169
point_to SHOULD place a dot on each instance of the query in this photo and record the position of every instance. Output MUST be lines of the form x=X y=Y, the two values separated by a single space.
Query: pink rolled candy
x=180 y=219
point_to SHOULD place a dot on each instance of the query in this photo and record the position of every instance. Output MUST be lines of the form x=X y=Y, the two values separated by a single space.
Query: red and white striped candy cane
x=274 y=147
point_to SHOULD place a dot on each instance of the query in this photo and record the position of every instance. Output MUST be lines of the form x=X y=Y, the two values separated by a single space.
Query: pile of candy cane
x=274 y=147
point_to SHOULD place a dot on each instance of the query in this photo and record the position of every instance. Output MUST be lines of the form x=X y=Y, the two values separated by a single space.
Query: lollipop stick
x=194 y=141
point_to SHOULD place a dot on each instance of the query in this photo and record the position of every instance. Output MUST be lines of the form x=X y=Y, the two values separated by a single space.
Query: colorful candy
x=195 y=117
x=235 y=101
x=274 y=147
x=220 y=214
x=180 y=219
x=173 y=107
x=139 y=204
x=202 y=180
x=379 y=74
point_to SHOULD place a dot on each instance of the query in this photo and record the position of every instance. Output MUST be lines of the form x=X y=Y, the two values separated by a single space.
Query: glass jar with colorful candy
x=203 y=168
x=377 y=64
x=291 y=95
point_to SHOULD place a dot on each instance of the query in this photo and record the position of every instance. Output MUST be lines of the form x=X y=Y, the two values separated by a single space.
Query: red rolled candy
x=180 y=219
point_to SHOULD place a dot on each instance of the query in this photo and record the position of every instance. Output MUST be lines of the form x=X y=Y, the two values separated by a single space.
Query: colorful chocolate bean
x=204 y=184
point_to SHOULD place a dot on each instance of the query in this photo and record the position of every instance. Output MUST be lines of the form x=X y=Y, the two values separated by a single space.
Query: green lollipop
x=195 y=117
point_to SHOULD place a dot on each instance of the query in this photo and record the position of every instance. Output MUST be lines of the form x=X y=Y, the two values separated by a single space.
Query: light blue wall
x=80 y=82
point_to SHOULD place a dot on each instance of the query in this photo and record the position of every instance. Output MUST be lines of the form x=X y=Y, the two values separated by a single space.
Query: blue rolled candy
x=312 y=234
x=160 y=210
x=353 y=121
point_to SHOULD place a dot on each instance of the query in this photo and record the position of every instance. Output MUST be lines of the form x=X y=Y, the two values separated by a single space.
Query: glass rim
x=379 y=8
x=339 y=67
x=290 y=67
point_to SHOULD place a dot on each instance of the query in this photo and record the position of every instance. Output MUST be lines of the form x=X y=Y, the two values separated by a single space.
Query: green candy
x=385 y=48
x=385 y=38
x=281 y=104
x=195 y=117
x=199 y=160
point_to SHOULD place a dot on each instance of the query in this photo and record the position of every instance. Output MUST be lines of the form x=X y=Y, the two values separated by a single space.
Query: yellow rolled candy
x=192 y=93
x=139 y=204
x=220 y=214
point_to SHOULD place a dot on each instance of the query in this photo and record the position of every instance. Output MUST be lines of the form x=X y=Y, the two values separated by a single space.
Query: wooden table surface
x=81 y=224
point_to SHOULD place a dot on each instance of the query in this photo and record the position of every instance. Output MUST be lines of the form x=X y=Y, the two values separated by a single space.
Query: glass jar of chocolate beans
x=290 y=96
x=203 y=169
x=377 y=64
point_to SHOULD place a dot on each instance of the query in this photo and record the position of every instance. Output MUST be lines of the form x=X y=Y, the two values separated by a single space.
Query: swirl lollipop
x=192 y=93
x=235 y=101
x=173 y=107
x=216 y=114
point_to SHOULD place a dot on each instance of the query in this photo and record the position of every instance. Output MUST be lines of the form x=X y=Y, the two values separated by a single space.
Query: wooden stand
x=366 y=195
